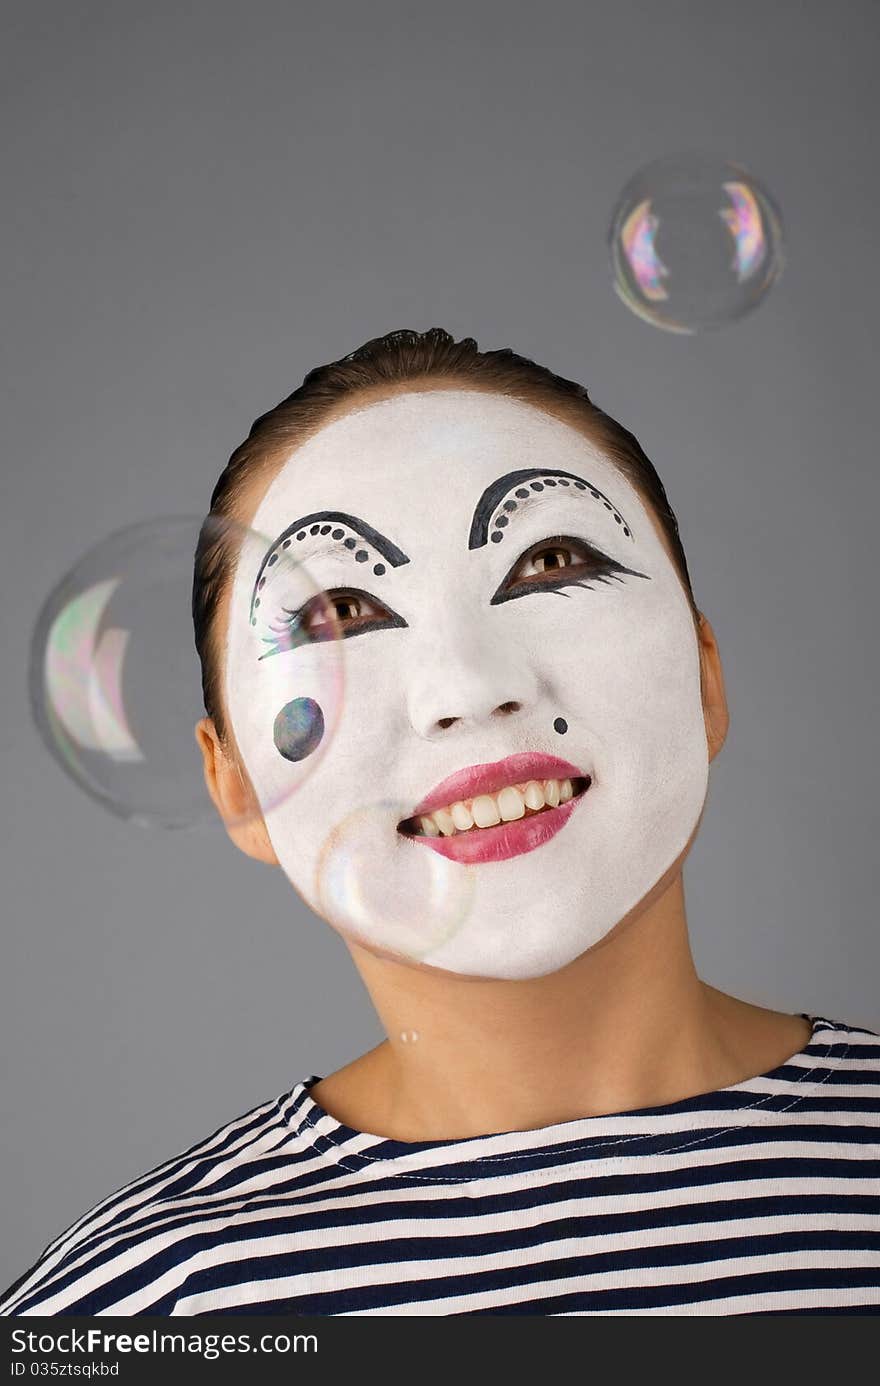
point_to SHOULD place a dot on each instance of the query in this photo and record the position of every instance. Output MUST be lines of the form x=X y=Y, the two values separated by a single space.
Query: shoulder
x=846 y=1041
x=841 y=1049
x=837 y=1079
x=129 y=1254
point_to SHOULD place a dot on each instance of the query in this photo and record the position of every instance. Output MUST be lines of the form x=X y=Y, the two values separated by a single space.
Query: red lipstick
x=510 y=839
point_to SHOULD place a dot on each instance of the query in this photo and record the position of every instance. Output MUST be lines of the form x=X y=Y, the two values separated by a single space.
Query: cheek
x=354 y=772
x=631 y=678
x=296 y=751
x=286 y=710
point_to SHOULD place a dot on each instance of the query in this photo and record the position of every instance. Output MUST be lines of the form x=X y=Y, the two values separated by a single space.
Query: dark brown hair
x=383 y=366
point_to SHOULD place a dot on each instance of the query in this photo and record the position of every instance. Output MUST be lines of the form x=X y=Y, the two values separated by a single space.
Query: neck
x=628 y=1024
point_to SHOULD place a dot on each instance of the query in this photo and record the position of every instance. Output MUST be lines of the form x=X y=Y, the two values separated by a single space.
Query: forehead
x=423 y=459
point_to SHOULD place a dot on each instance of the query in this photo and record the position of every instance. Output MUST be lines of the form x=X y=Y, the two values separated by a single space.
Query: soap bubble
x=391 y=892
x=695 y=243
x=115 y=680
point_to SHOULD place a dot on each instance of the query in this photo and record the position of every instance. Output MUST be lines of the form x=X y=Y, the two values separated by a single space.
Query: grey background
x=204 y=201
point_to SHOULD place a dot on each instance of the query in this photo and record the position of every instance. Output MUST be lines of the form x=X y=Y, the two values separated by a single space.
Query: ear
x=233 y=797
x=715 y=711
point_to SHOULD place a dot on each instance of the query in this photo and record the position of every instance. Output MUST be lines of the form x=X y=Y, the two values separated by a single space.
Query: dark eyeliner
x=292 y=633
x=605 y=568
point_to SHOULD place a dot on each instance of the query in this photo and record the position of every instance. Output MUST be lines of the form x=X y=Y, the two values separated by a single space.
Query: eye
x=337 y=614
x=551 y=559
x=558 y=562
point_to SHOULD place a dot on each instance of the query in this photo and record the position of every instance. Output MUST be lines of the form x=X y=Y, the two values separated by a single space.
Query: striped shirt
x=758 y=1198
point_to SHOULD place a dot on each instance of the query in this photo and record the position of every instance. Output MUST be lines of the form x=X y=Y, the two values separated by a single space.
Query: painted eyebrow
x=348 y=531
x=496 y=504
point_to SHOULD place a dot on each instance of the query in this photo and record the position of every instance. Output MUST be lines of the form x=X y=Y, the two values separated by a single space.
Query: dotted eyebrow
x=347 y=530
x=506 y=495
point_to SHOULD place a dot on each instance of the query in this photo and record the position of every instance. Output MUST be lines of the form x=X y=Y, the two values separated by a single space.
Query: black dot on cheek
x=253 y=620
x=497 y=536
x=351 y=543
x=286 y=544
x=563 y=481
x=338 y=533
x=594 y=493
x=325 y=529
x=314 y=529
x=618 y=519
x=502 y=521
x=262 y=583
x=536 y=485
x=549 y=481
x=257 y=602
x=273 y=559
x=510 y=505
x=378 y=569
x=522 y=493
x=626 y=531
x=298 y=729
x=361 y=556
x=607 y=505
x=302 y=534
x=560 y=725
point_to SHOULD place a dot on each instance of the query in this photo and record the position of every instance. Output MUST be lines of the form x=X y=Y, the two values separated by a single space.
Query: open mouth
x=492 y=828
x=511 y=805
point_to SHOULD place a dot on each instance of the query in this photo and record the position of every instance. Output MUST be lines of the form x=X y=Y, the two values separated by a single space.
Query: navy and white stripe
x=759 y=1198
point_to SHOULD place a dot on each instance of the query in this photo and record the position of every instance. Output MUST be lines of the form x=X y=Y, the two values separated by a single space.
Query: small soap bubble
x=115 y=680
x=696 y=242
x=391 y=892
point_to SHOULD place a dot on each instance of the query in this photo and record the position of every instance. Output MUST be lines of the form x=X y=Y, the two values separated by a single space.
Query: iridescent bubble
x=391 y=892
x=115 y=679
x=696 y=242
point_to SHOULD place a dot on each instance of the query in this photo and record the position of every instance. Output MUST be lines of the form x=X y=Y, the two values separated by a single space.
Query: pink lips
x=505 y=839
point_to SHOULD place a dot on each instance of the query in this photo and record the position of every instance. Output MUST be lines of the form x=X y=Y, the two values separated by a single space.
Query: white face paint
x=461 y=679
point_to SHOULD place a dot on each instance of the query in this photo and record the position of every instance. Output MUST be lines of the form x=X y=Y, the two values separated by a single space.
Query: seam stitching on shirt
x=333 y=1141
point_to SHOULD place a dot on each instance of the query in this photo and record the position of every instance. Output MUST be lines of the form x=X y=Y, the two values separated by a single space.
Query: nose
x=462 y=682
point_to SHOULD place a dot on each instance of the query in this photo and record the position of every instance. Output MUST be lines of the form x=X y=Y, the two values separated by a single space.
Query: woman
x=563 y=1118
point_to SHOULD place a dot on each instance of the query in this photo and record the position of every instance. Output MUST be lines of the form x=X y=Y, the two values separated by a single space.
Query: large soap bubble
x=391 y=892
x=695 y=243
x=115 y=680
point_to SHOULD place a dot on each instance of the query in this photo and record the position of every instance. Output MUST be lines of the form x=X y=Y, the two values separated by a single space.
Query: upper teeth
x=488 y=809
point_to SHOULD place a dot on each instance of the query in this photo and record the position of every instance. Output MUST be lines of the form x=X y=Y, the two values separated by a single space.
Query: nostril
x=508 y=707
x=445 y=722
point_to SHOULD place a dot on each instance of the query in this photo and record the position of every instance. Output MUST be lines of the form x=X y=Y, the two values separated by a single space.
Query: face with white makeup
x=516 y=601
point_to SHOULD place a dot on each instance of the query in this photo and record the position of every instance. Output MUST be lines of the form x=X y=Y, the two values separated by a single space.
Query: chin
x=509 y=935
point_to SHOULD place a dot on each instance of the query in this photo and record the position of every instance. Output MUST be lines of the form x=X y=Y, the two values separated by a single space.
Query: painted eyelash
x=522 y=588
x=287 y=632
x=586 y=583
